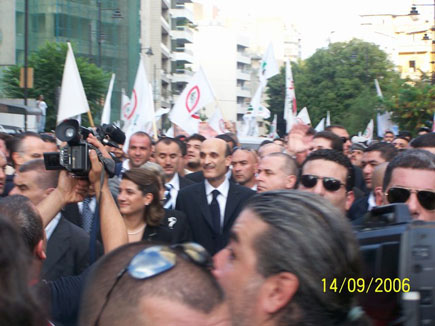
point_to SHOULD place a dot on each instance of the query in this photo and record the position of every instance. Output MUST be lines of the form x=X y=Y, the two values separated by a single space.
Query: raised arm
x=113 y=230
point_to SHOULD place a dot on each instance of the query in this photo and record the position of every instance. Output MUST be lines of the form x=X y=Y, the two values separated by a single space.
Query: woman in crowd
x=140 y=203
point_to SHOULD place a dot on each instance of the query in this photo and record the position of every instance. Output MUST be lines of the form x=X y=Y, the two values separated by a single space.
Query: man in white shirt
x=168 y=156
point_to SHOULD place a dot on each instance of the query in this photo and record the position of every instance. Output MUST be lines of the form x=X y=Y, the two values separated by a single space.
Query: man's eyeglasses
x=156 y=260
x=330 y=184
x=426 y=198
x=344 y=139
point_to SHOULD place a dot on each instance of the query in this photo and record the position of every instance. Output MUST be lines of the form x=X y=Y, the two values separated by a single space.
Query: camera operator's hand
x=96 y=166
x=69 y=190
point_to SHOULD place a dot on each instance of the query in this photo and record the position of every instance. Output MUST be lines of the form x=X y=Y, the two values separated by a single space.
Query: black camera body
x=74 y=157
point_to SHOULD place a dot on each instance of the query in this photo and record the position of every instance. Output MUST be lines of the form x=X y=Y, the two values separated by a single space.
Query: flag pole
x=91 y=121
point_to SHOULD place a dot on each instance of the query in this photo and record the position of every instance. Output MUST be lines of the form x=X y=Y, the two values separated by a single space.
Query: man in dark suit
x=168 y=156
x=212 y=206
x=67 y=244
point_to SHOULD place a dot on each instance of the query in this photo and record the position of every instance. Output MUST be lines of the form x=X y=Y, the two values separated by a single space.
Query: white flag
x=197 y=94
x=320 y=126
x=384 y=121
x=290 y=96
x=72 y=100
x=268 y=66
x=273 y=128
x=304 y=117
x=105 y=116
x=328 y=119
x=126 y=112
x=217 y=122
x=368 y=133
x=142 y=105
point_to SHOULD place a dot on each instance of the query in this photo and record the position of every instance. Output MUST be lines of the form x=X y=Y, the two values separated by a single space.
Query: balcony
x=243 y=58
x=166 y=4
x=181 y=12
x=182 y=34
x=165 y=77
x=243 y=91
x=243 y=75
x=165 y=51
x=182 y=76
x=165 y=25
x=183 y=55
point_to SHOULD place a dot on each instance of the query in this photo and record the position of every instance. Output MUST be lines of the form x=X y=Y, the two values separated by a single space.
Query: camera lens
x=69 y=132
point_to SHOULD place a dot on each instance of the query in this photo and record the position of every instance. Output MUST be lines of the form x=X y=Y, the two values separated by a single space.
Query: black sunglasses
x=344 y=139
x=156 y=260
x=330 y=184
x=426 y=198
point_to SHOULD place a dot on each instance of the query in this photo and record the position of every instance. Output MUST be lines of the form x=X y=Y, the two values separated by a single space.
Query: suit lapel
x=58 y=244
x=203 y=204
x=232 y=201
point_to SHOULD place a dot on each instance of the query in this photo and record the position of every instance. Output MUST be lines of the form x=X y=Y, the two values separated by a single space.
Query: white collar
x=174 y=182
x=223 y=188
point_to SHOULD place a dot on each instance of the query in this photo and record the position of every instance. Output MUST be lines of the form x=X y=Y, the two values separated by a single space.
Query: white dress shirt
x=49 y=229
x=221 y=199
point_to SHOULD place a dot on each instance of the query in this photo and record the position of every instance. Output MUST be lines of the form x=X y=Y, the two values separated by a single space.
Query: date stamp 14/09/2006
x=361 y=285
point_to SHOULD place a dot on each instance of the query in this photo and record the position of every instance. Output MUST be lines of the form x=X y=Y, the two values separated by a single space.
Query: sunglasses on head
x=426 y=198
x=330 y=184
x=156 y=260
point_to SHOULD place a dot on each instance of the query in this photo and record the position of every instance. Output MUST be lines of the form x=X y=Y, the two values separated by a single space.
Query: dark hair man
x=244 y=163
x=139 y=150
x=267 y=269
x=212 y=206
x=276 y=171
x=327 y=140
x=374 y=155
x=341 y=132
x=401 y=143
x=425 y=141
x=329 y=174
x=25 y=147
x=193 y=144
x=168 y=156
x=410 y=179
x=67 y=244
x=388 y=137
x=186 y=294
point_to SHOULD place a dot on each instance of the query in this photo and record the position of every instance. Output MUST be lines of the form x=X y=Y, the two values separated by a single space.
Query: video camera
x=74 y=157
x=394 y=248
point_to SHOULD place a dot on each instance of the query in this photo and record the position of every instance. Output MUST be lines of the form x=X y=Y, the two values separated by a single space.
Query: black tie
x=215 y=212
x=87 y=214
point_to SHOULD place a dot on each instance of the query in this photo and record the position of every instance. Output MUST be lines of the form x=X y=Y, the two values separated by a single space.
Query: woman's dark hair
x=17 y=305
x=148 y=182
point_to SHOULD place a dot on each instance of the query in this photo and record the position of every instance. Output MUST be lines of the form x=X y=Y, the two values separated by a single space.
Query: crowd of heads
x=306 y=186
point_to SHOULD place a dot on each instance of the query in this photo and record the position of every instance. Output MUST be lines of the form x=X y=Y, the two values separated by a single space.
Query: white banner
x=105 y=116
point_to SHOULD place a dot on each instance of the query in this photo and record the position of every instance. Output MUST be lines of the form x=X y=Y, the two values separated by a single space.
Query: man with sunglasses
x=410 y=179
x=329 y=174
x=283 y=247
x=341 y=132
x=156 y=285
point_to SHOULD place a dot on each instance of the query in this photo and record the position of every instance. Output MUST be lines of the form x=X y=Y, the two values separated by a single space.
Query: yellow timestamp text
x=361 y=285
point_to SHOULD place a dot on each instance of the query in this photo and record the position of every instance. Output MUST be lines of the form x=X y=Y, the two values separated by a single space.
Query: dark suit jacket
x=192 y=201
x=195 y=176
x=67 y=251
x=184 y=182
x=174 y=228
x=359 y=208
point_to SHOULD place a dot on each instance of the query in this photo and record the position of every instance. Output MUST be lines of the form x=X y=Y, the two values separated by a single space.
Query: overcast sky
x=318 y=20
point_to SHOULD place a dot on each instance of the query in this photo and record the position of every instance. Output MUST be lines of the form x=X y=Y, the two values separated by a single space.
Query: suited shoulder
x=192 y=187
x=79 y=235
x=245 y=191
x=184 y=182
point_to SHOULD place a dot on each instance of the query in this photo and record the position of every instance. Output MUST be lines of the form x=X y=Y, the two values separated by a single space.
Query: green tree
x=413 y=106
x=339 y=79
x=48 y=63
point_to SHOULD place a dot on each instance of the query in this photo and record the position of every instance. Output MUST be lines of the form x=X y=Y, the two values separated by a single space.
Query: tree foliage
x=48 y=63
x=339 y=79
x=413 y=106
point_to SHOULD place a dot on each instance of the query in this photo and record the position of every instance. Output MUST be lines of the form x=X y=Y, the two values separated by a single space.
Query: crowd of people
x=195 y=231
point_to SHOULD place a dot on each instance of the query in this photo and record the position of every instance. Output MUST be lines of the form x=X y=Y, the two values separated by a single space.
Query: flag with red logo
x=197 y=94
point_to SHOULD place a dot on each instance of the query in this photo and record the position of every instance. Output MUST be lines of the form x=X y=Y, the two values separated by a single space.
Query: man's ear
x=39 y=250
x=228 y=160
x=277 y=291
x=17 y=159
x=379 y=196
x=350 y=197
x=291 y=181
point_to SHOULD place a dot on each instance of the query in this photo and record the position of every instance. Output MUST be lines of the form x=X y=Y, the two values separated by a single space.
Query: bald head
x=215 y=157
x=269 y=149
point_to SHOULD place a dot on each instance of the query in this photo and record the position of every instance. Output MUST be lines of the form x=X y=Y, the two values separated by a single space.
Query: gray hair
x=313 y=240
